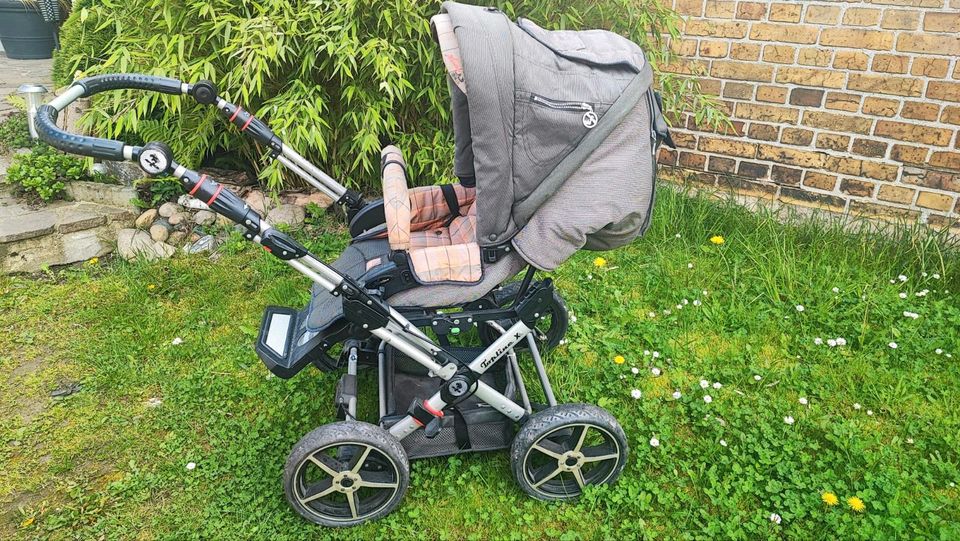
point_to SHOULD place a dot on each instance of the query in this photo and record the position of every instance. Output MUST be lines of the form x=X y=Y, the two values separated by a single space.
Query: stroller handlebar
x=135 y=81
x=106 y=149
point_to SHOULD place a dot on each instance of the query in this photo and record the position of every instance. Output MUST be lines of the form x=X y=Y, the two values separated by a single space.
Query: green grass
x=104 y=464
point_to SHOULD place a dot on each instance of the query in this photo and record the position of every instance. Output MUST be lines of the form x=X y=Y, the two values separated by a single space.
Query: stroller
x=556 y=134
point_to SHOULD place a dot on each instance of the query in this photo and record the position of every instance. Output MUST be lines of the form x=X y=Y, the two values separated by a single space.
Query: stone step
x=57 y=234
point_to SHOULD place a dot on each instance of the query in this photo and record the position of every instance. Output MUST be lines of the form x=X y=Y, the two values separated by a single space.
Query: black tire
x=549 y=335
x=325 y=462
x=560 y=450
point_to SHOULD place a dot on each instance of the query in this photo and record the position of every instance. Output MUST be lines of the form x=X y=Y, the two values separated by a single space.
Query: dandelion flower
x=634 y=370
x=636 y=394
x=599 y=262
x=704 y=384
x=893 y=345
x=789 y=420
x=151 y=287
x=619 y=359
x=803 y=400
x=829 y=498
x=800 y=308
x=655 y=371
x=676 y=395
x=707 y=399
x=717 y=239
x=775 y=518
x=654 y=442
x=856 y=504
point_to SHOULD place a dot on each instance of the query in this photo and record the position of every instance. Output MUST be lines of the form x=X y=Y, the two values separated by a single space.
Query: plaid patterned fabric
x=396 y=200
x=456 y=263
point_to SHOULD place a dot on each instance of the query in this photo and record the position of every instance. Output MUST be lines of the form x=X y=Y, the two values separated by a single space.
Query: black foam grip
x=46 y=124
x=221 y=200
x=138 y=81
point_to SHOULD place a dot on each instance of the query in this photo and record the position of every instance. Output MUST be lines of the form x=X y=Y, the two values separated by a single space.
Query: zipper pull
x=590 y=118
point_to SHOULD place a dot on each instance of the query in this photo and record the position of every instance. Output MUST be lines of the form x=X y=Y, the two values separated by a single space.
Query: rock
x=320 y=199
x=126 y=172
x=194 y=237
x=205 y=217
x=159 y=233
x=169 y=209
x=146 y=219
x=176 y=238
x=179 y=218
x=163 y=250
x=257 y=201
x=204 y=244
x=105 y=194
x=291 y=215
x=192 y=203
x=223 y=221
x=134 y=242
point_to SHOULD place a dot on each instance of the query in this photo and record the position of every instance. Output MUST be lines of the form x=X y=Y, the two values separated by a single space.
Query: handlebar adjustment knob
x=204 y=92
x=155 y=158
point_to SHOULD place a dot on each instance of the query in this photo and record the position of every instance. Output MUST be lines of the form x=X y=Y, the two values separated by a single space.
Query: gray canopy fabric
x=554 y=122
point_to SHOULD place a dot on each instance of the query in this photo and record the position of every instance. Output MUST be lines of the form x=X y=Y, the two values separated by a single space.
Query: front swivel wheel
x=346 y=473
x=561 y=450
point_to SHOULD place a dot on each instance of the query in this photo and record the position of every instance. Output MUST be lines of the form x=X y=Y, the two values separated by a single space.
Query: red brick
x=719 y=164
x=858 y=39
x=692 y=160
x=683 y=139
x=667 y=156
x=885 y=84
x=915 y=133
x=753 y=170
x=938 y=180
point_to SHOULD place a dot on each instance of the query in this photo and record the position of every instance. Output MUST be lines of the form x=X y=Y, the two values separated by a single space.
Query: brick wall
x=849 y=106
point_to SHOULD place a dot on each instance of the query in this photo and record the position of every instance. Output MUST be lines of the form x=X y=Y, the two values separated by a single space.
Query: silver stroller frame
x=363 y=308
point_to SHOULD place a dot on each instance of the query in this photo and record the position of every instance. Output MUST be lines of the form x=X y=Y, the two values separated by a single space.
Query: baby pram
x=556 y=134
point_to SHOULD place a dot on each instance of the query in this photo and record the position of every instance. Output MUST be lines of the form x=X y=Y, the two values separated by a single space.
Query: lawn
x=830 y=360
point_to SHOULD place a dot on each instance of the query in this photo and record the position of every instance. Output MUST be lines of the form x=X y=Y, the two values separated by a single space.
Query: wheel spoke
x=377 y=480
x=359 y=460
x=599 y=453
x=578 y=475
x=326 y=463
x=581 y=437
x=546 y=477
x=318 y=491
x=549 y=448
x=352 y=500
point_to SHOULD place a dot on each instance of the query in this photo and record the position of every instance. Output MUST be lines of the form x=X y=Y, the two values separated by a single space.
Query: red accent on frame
x=235 y=113
x=431 y=411
x=421 y=425
x=249 y=120
x=199 y=183
x=215 y=195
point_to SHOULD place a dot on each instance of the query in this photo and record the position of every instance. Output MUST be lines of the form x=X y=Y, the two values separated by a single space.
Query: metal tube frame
x=398 y=332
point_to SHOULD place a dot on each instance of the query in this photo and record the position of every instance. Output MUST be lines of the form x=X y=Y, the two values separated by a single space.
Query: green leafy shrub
x=14 y=132
x=152 y=192
x=43 y=173
x=332 y=77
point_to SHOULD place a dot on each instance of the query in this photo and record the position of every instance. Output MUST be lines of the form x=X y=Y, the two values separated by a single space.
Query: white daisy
x=634 y=370
x=696 y=302
x=717 y=385
x=800 y=308
x=936 y=276
x=831 y=342
x=177 y=341
x=757 y=377
x=788 y=419
x=646 y=352
x=869 y=412
x=938 y=351
x=775 y=518
x=689 y=265
x=654 y=442
x=818 y=341
x=685 y=301
x=903 y=295
x=677 y=235
x=910 y=441
x=651 y=314
x=893 y=345
x=723 y=443
x=841 y=341
x=803 y=400
x=191 y=465
x=911 y=315
x=656 y=354
x=704 y=384
x=655 y=371
x=856 y=405
x=679 y=307
x=902 y=278
x=836 y=290
x=636 y=394
x=676 y=395
x=707 y=399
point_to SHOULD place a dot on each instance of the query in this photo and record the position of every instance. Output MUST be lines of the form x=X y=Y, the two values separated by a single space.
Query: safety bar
x=203 y=92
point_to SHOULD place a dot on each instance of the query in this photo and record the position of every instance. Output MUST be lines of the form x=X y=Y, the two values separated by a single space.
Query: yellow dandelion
x=151 y=287
x=829 y=498
x=619 y=359
x=599 y=262
x=717 y=239
x=856 y=504
x=93 y=260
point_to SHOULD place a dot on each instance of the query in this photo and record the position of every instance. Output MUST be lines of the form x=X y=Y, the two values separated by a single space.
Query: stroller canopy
x=556 y=129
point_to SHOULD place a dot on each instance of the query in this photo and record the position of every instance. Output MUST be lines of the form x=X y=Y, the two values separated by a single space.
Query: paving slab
x=14 y=73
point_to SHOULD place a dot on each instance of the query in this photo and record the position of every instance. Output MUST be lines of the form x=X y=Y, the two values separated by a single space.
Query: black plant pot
x=24 y=33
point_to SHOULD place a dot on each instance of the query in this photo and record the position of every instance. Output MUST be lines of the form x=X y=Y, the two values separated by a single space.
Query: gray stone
x=288 y=214
x=163 y=250
x=320 y=199
x=192 y=203
x=126 y=172
x=179 y=218
x=257 y=201
x=204 y=217
x=73 y=219
x=169 y=209
x=146 y=219
x=176 y=238
x=204 y=244
x=104 y=194
x=27 y=226
x=159 y=233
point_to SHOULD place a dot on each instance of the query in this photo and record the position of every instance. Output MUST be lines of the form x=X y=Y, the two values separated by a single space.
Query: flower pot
x=24 y=33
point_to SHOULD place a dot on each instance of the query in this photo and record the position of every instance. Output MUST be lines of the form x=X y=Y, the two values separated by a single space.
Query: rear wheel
x=563 y=449
x=346 y=473
x=549 y=329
